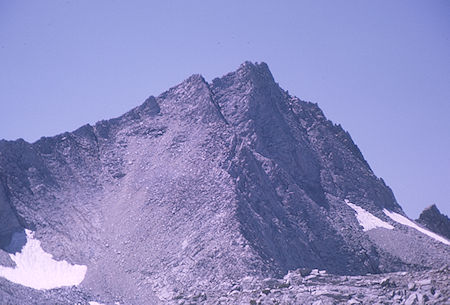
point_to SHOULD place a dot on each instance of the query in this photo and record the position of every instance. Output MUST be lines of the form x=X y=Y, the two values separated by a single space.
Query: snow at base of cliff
x=367 y=220
x=405 y=221
x=37 y=269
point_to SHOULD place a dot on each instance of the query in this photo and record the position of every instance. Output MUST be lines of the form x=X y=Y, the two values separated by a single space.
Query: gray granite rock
x=186 y=195
x=432 y=219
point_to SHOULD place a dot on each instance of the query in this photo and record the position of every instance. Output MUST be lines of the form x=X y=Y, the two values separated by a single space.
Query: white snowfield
x=37 y=269
x=405 y=221
x=367 y=220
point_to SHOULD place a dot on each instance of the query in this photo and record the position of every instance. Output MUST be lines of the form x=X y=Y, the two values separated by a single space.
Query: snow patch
x=95 y=303
x=405 y=221
x=367 y=220
x=37 y=269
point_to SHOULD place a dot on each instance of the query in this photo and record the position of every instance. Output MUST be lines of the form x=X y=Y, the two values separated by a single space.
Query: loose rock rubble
x=316 y=287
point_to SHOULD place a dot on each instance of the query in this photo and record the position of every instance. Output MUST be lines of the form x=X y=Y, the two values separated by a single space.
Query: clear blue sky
x=380 y=68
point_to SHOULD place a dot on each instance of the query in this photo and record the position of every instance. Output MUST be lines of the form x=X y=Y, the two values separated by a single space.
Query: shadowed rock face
x=204 y=185
x=432 y=218
x=8 y=219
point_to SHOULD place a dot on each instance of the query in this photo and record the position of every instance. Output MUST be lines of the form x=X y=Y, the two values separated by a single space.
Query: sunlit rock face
x=200 y=187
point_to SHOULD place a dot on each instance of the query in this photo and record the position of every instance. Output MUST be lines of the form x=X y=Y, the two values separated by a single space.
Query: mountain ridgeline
x=202 y=186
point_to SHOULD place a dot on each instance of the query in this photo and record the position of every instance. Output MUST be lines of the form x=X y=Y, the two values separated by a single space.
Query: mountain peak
x=254 y=74
x=194 y=78
x=259 y=71
x=202 y=186
x=260 y=67
x=434 y=220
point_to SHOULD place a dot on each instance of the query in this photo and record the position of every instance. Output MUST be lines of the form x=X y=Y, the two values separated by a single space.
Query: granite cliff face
x=432 y=219
x=200 y=187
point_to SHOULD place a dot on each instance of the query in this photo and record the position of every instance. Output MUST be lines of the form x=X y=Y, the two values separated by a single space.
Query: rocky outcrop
x=432 y=219
x=306 y=286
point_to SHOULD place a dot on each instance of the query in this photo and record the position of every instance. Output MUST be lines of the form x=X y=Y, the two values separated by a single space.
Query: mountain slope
x=202 y=186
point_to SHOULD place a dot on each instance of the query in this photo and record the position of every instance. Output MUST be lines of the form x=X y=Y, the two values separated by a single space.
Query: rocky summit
x=432 y=219
x=212 y=192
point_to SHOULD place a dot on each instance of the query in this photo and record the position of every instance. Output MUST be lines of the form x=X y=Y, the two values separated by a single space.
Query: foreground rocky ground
x=301 y=286
x=317 y=287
